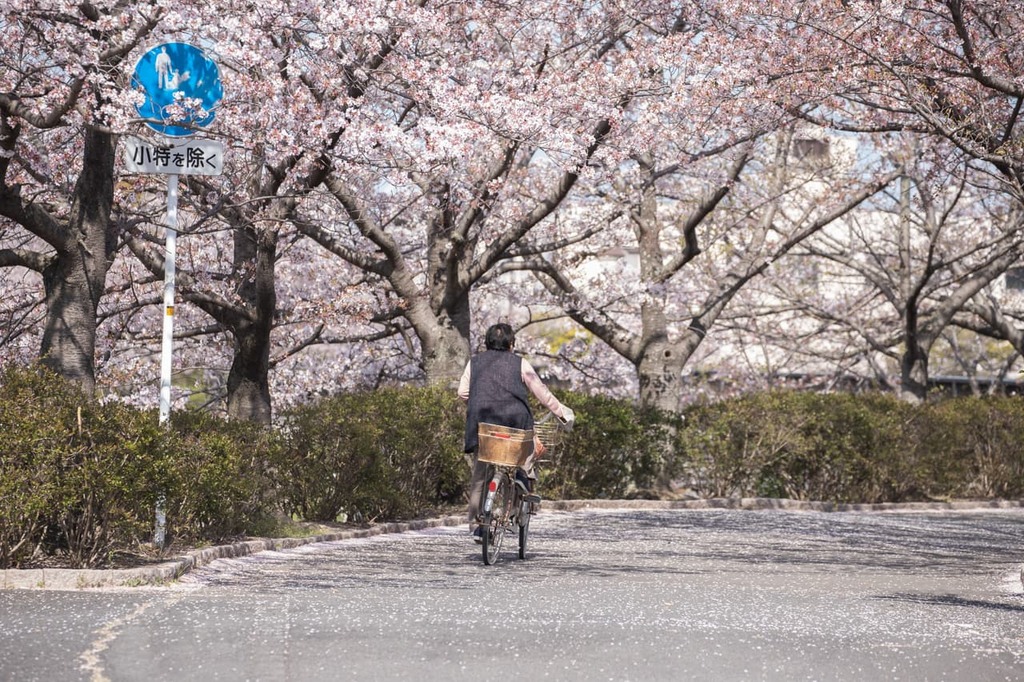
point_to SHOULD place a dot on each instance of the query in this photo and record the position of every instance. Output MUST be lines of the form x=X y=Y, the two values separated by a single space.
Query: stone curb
x=761 y=503
x=168 y=571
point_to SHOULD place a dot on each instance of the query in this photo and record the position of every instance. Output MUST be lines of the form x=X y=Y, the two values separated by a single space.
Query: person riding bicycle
x=494 y=385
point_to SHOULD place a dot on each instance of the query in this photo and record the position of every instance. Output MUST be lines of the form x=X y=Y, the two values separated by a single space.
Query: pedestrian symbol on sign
x=182 y=87
x=163 y=67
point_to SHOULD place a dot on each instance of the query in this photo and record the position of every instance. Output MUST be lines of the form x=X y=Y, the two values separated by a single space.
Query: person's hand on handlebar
x=568 y=418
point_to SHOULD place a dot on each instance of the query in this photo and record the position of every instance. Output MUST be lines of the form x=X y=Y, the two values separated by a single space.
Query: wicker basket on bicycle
x=549 y=432
x=504 y=445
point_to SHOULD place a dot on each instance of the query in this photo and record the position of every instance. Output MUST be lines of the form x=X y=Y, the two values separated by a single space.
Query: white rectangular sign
x=188 y=157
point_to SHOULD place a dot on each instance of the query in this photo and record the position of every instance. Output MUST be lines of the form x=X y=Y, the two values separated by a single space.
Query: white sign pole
x=167 y=345
x=155 y=76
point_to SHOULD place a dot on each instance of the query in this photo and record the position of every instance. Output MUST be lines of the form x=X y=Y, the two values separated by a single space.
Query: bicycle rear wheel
x=524 y=525
x=496 y=521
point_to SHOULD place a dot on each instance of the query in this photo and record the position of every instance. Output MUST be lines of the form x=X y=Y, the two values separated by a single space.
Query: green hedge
x=852 y=448
x=614 y=450
x=81 y=479
x=791 y=445
x=375 y=455
x=75 y=476
x=973 y=447
x=222 y=482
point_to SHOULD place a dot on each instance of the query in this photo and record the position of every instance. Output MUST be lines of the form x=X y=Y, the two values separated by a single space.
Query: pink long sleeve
x=540 y=391
x=464 y=384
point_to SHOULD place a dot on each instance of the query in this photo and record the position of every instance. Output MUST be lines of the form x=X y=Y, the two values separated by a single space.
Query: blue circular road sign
x=182 y=88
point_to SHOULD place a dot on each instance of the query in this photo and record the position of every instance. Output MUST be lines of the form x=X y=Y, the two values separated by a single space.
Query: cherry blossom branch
x=596 y=321
x=221 y=309
x=30 y=215
x=24 y=258
x=691 y=247
x=497 y=249
x=527 y=249
x=734 y=281
x=327 y=240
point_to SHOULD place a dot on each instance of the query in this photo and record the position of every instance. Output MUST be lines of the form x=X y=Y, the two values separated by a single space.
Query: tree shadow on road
x=950 y=542
x=950 y=600
x=607 y=544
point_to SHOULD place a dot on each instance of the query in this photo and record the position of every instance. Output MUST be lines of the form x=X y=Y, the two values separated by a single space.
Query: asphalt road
x=604 y=595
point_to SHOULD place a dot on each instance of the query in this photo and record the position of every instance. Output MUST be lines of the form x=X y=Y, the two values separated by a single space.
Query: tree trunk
x=249 y=378
x=660 y=363
x=659 y=372
x=914 y=363
x=914 y=388
x=69 y=336
x=660 y=368
x=445 y=342
x=74 y=281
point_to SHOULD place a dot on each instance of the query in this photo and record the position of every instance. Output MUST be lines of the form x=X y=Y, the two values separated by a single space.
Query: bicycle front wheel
x=496 y=521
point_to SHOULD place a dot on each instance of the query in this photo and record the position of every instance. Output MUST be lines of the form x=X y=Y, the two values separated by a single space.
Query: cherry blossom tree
x=714 y=180
x=699 y=240
x=274 y=128
x=292 y=75
x=58 y=64
x=479 y=134
x=890 y=279
x=392 y=164
x=943 y=73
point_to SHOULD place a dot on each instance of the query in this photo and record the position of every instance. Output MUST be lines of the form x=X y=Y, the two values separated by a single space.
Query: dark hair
x=500 y=337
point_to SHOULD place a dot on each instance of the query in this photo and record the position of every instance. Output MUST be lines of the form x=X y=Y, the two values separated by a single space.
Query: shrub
x=81 y=479
x=974 y=446
x=396 y=452
x=389 y=453
x=795 y=445
x=222 y=481
x=865 y=448
x=614 y=449
x=75 y=476
x=31 y=434
x=108 y=489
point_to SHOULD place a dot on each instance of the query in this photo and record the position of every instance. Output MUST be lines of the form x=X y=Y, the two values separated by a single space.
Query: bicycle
x=508 y=503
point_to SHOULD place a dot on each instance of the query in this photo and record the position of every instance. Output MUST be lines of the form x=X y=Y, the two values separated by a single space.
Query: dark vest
x=497 y=394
